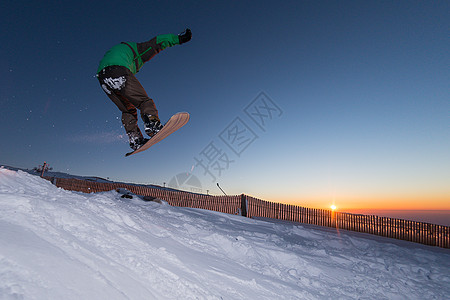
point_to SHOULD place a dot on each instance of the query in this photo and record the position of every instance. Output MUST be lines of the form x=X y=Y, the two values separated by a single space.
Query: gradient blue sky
x=362 y=89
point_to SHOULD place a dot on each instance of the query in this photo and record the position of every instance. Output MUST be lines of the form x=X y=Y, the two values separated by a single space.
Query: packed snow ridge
x=57 y=244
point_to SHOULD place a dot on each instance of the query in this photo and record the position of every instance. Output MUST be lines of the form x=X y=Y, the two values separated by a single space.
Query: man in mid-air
x=116 y=76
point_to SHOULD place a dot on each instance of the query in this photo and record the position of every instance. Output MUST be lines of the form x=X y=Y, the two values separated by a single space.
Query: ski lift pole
x=221 y=189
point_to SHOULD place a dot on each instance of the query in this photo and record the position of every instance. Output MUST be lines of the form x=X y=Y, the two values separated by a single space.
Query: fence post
x=43 y=169
x=244 y=205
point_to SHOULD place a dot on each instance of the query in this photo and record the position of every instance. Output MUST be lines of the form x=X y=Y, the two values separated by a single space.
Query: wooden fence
x=225 y=204
x=418 y=232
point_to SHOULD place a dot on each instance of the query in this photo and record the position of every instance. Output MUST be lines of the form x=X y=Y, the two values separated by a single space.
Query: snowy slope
x=56 y=244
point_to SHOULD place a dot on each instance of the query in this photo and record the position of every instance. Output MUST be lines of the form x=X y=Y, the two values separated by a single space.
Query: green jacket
x=133 y=55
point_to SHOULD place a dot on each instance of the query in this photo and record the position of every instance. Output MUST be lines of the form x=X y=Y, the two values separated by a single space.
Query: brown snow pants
x=122 y=87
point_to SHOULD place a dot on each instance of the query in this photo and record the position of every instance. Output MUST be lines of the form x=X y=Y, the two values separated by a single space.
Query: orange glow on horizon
x=380 y=203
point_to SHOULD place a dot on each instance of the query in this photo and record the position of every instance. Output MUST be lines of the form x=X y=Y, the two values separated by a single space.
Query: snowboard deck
x=175 y=122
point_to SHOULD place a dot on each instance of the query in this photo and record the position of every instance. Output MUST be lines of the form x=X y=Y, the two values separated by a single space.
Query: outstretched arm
x=152 y=47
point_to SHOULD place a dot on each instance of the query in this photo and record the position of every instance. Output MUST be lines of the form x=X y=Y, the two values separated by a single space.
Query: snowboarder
x=116 y=76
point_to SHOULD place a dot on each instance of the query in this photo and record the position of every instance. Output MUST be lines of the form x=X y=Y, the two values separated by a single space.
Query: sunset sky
x=306 y=102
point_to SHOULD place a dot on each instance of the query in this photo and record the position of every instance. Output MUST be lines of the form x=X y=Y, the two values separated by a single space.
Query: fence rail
x=413 y=231
x=225 y=204
x=418 y=232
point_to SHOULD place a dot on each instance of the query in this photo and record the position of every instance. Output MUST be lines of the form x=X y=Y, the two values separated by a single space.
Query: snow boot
x=152 y=125
x=136 y=140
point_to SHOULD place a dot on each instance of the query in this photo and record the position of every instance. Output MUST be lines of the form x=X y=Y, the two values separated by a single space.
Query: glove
x=185 y=36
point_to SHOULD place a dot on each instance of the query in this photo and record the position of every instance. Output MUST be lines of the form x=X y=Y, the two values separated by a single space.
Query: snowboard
x=175 y=122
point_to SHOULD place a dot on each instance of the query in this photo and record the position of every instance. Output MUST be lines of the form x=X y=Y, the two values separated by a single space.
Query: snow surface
x=57 y=244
